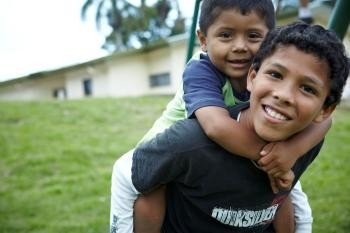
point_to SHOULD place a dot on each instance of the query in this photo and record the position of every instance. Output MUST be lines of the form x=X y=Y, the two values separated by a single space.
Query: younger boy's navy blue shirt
x=204 y=85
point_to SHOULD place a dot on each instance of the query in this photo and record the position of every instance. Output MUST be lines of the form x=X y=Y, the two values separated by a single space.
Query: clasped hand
x=277 y=164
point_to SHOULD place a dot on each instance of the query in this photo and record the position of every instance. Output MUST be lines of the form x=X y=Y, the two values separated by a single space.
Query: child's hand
x=276 y=158
x=283 y=182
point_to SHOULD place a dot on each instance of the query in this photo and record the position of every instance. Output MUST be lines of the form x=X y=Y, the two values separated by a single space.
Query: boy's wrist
x=296 y=151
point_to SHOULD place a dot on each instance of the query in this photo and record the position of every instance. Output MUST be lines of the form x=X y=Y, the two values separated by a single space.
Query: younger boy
x=296 y=78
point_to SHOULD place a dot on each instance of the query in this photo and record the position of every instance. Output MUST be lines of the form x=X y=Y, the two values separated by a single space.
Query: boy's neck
x=246 y=120
x=239 y=84
x=240 y=91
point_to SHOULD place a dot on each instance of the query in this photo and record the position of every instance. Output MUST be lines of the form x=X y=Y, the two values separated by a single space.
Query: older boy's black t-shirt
x=208 y=189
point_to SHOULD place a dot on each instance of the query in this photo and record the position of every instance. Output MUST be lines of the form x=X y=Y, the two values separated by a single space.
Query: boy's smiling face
x=288 y=93
x=232 y=41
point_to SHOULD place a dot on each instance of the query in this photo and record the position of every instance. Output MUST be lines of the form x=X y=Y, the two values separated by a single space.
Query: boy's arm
x=219 y=126
x=282 y=155
x=204 y=98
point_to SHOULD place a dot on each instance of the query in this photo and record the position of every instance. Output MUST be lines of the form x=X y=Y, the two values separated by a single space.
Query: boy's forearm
x=302 y=142
x=228 y=133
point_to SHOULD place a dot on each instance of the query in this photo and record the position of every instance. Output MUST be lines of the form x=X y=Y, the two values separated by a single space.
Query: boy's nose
x=285 y=95
x=239 y=44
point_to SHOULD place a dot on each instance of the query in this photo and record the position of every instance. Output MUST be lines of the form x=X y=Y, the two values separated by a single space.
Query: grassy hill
x=56 y=160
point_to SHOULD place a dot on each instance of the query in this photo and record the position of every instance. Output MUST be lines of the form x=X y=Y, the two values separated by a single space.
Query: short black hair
x=315 y=40
x=211 y=9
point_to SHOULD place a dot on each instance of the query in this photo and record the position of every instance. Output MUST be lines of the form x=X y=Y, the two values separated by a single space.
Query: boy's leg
x=149 y=212
x=284 y=220
x=302 y=210
x=123 y=196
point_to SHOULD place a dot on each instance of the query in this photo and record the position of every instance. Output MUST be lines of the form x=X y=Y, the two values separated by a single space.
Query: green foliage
x=131 y=23
x=56 y=159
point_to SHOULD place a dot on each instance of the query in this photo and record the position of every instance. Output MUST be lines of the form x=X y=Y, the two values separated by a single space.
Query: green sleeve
x=174 y=111
x=229 y=98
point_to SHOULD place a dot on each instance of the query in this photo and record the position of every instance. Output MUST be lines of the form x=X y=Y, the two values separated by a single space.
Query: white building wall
x=74 y=86
x=178 y=62
x=159 y=62
x=100 y=81
x=30 y=89
x=75 y=79
x=127 y=76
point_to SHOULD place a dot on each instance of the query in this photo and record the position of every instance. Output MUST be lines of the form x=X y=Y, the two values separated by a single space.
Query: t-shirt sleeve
x=202 y=85
x=156 y=162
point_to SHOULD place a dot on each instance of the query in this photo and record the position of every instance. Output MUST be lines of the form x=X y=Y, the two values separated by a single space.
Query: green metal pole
x=340 y=18
x=192 y=39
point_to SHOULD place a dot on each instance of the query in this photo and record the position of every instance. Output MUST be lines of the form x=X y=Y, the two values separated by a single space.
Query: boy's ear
x=324 y=113
x=202 y=40
x=250 y=78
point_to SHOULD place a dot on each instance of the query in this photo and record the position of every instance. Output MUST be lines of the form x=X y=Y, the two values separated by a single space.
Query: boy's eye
x=275 y=74
x=255 y=36
x=225 y=34
x=308 y=89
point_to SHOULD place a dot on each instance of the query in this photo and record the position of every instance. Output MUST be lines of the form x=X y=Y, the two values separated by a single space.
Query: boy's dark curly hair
x=211 y=9
x=312 y=39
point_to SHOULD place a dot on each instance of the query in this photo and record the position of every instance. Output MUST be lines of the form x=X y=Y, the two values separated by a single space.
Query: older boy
x=231 y=32
x=296 y=79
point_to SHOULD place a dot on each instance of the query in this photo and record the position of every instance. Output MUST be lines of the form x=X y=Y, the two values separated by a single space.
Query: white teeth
x=274 y=114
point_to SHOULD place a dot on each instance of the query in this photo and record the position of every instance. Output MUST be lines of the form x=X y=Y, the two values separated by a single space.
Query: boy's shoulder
x=200 y=66
x=200 y=59
x=200 y=55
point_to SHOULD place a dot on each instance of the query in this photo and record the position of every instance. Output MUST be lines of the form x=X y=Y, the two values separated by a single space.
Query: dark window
x=87 y=85
x=60 y=93
x=158 y=80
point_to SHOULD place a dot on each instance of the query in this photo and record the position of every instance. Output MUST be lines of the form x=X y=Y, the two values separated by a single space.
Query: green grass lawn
x=56 y=160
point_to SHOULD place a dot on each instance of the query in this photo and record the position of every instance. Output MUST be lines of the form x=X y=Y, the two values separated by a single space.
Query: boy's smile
x=232 y=41
x=275 y=114
x=287 y=93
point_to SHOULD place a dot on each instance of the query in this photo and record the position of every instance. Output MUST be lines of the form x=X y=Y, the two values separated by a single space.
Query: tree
x=132 y=26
